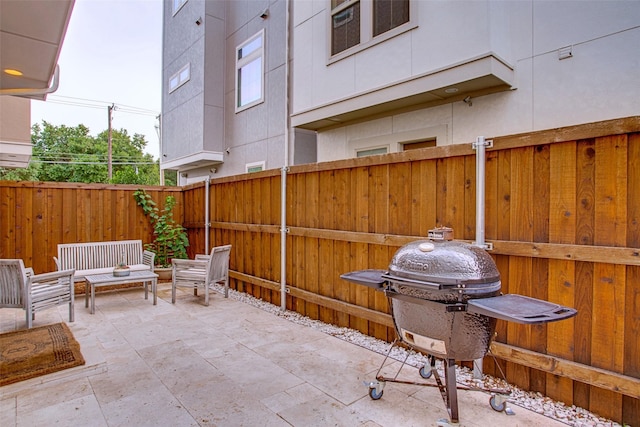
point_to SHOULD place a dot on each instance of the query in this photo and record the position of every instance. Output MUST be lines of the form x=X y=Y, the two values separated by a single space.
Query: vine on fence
x=171 y=238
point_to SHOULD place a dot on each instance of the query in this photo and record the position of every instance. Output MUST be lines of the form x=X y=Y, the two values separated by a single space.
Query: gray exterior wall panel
x=214 y=129
x=214 y=62
x=185 y=139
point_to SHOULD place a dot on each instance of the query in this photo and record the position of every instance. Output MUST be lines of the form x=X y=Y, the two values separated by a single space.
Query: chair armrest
x=201 y=257
x=189 y=263
x=57 y=262
x=53 y=277
x=148 y=258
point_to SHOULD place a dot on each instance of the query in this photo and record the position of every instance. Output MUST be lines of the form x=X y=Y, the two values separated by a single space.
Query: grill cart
x=445 y=301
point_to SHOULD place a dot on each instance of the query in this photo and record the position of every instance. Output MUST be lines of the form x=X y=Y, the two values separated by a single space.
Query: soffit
x=475 y=77
x=193 y=161
x=31 y=36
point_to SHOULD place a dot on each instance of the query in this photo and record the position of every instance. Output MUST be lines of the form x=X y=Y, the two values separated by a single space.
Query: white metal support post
x=285 y=168
x=480 y=145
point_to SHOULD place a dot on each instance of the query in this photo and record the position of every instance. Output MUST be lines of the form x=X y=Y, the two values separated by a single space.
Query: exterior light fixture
x=451 y=90
x=12 y=72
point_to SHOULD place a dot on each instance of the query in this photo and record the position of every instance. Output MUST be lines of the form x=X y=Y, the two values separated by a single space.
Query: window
x=180 y=78
x=255 y=167
x=250 y=72
x=420 y=144
x=177 y=5
x=345 y=28
x=371 y=152
x=357 y=22
x=389 y=14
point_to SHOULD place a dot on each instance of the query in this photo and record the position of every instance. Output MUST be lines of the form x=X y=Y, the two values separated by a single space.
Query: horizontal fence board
x=603 y=254
x=600 y=378
x=561 y=215
x=46 y=214
x=557 y=366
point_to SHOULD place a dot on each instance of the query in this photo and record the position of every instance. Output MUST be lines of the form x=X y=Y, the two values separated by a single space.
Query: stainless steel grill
x=445 y=301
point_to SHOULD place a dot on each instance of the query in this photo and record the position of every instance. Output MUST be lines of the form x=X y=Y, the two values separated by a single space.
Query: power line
x=71 y=156
x=92 y=103
x=71 y=162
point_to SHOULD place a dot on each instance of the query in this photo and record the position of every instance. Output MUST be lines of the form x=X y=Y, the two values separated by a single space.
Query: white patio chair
x=20 y=288
x=202 y=272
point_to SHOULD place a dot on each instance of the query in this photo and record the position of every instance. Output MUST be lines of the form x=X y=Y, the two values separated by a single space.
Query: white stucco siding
x=563 y=23
x=446 y=33
x=599 y=81
x=449 y=32
x=332 y=145
x=392 y=61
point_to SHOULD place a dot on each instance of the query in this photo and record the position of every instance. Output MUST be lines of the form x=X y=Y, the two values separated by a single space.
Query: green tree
x=64 y=153
x=171 y=178
x=130 y=164
x=71 y=154
x=29 y=173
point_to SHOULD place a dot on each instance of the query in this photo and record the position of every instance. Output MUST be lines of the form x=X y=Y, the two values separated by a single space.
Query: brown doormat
x=30 y=353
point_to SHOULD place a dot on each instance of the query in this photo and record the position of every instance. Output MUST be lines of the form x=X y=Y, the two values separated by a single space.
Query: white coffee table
x=144 y=276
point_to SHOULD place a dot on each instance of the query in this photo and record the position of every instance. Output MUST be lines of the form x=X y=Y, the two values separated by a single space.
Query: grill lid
x=442 y=264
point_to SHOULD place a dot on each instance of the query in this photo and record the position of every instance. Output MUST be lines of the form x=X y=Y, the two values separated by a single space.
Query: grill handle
x=455 y=307
x=476 y=286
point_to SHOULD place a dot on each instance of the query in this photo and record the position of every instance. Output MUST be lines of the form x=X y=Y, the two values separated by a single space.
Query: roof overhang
x=31 y=36
x=14 y=155
x=474 y=77
x=194 y=161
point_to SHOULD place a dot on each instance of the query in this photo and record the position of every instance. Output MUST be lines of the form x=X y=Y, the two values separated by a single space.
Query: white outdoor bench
x=101 y=257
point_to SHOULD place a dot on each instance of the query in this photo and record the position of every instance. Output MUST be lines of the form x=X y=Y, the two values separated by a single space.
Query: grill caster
x=425 y=372
x=499 y=404
x=376 y=390
x=374 y=394
x=427 y=369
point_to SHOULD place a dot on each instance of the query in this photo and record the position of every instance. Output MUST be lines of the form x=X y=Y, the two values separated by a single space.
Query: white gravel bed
x=570 y=415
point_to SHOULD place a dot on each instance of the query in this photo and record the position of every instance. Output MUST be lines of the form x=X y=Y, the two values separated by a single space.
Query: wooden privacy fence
x=36 y=216
x=562 y=211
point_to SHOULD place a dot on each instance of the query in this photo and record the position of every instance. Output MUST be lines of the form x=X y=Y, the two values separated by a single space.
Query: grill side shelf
x=371 y=278
x=520 y=309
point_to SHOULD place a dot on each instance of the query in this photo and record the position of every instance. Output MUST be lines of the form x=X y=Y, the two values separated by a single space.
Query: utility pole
x=159 y=132
x=109 y=148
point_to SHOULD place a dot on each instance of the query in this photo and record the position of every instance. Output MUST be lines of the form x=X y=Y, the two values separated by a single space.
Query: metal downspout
x=285 y=168
x=480 y=145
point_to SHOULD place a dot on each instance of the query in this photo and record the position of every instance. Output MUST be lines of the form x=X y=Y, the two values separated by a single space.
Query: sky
x=111 y=55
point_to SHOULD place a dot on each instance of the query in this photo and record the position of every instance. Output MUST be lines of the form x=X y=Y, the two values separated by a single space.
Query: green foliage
x=71 y=154
x=171 y=239
x=171 y=178
x=29 y=173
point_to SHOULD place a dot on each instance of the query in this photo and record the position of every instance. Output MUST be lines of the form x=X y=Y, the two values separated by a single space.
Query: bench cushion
x=80 y=274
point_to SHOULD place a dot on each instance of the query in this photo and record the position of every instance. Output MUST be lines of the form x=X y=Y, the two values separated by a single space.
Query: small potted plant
x=170 y=238
x=122 y=269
